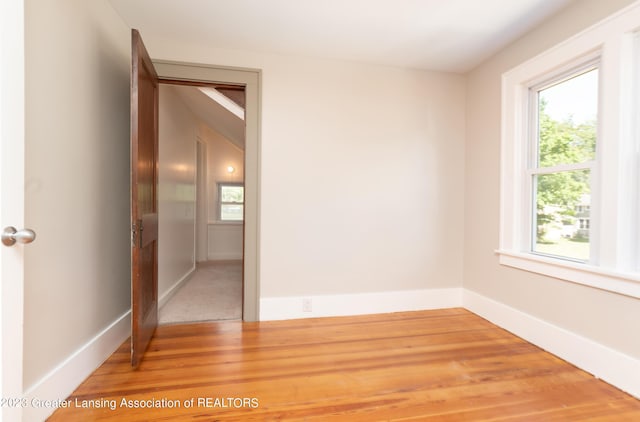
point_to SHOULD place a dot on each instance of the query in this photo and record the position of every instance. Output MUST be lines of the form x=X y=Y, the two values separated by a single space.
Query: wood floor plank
x=444 y=365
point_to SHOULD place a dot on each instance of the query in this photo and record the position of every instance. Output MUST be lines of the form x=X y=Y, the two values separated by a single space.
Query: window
x=570 y=159
x=230 y=201
x=563 y=154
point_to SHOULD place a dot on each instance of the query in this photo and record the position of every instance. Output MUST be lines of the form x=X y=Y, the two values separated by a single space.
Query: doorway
x=200 y=75
x=201 y=202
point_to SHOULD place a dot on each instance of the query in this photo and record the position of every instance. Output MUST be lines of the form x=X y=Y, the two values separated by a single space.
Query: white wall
x=361 y=177
x=77 y=182
x=178 y=132
x=606 y=318
x=225 y=241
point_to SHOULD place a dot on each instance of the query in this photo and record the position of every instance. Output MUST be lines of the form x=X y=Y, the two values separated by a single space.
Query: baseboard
x=164 y=297
x=65 y=378
x=610 y=365
x=224 y=256
x=279 y=308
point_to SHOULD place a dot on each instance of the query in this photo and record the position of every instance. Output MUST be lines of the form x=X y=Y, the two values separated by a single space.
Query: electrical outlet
x=306 y=305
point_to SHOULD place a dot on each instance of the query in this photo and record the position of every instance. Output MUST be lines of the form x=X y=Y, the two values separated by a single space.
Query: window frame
x=615 y=252
x=533 y=168
x=220 y=185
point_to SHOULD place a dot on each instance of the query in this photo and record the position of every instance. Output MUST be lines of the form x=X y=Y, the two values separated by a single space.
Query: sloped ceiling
x=213 y=114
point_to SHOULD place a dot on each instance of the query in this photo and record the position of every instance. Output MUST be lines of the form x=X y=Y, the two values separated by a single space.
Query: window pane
x=567 y=121
x=232 y=193
x=563 y=214
x=232 y=212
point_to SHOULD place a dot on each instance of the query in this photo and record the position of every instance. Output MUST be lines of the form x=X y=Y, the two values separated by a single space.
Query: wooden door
x=144 y=203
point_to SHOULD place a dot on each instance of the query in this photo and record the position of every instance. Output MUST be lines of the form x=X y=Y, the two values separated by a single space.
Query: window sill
x=225 y=223
x=627 y=284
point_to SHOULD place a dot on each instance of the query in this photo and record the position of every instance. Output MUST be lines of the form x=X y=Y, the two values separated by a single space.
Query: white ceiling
x=446 y=35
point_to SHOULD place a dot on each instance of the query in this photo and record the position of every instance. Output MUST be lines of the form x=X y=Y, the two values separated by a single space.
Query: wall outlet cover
x=306 y=304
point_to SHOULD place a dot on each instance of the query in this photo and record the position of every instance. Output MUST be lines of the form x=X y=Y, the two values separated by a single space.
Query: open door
x=144 y=203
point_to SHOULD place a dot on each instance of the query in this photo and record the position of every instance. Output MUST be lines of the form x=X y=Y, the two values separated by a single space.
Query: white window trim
x=613 y=266
x=614 y=281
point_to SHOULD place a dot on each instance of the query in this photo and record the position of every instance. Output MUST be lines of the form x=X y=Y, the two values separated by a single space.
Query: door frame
x=201 y=229
x=12 y=166
x=176 y=72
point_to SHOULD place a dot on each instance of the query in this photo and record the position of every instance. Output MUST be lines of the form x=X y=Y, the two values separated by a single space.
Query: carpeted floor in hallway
x=213 y=293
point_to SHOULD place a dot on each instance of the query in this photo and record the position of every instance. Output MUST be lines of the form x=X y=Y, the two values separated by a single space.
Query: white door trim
x=12 y=131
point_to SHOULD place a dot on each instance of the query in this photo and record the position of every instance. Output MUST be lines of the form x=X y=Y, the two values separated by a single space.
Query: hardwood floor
x=444 y=365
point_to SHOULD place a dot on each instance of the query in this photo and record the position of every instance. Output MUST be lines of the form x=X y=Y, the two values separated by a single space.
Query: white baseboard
x=279 y=308
x=164 y=297
x=65 y=378
x=610 y=365
x=224 y=256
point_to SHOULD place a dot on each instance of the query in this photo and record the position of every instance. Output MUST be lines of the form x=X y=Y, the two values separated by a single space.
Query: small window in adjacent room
x=231 y=201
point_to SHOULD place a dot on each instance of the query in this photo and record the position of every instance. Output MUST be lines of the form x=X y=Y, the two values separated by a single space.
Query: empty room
x=435 y=210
